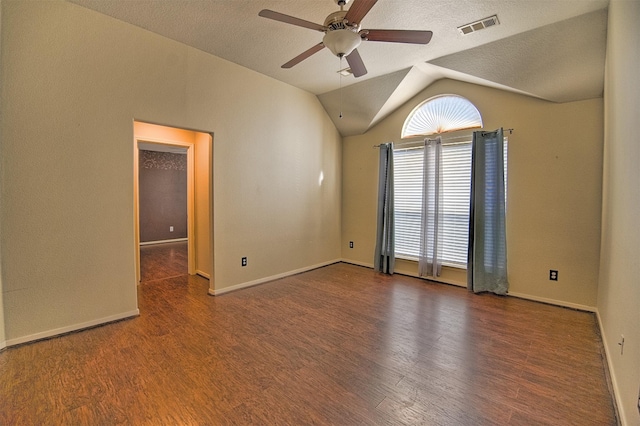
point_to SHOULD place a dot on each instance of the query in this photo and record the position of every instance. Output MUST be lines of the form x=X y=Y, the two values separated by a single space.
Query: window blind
x=407 y=169
x=456 y=187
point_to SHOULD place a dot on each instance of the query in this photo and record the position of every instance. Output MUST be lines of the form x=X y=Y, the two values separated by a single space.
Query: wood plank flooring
x=339 y=345
x=161 y=261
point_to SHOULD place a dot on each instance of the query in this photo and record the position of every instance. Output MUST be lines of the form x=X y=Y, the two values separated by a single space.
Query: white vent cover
x=479 y=25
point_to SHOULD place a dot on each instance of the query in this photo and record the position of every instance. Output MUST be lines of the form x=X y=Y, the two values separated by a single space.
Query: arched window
x=441 y=114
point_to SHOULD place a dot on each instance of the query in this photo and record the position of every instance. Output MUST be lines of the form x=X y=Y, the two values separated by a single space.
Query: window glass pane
x=456 y=187
x=407 y=168
x=441 y=114
x=435 y=116
x=505 y=150
x=456 y=178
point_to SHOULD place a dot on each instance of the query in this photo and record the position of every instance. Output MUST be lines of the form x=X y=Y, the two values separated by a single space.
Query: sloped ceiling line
x=549 y=49
x=559 y=62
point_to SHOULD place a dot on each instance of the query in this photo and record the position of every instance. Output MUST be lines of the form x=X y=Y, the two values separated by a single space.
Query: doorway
x=165 y=195
x=195 y=249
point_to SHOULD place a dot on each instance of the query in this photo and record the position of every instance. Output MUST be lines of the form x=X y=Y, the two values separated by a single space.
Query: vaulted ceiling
x=550 y=49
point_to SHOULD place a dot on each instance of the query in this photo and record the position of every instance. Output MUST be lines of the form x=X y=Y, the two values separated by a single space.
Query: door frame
x=190 y=198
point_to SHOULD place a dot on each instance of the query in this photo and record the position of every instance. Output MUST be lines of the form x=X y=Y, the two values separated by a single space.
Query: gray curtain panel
x=429 y=262
x=384 y=255
x=487 y=261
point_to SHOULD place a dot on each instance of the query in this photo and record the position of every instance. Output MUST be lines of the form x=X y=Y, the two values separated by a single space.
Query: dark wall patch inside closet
x=163 y=196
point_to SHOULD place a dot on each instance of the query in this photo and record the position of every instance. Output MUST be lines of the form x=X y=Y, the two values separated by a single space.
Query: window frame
x=467 y=114
x=417 y=143
x=461 y=137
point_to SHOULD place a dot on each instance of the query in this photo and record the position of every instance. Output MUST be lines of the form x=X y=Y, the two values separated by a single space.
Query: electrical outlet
x=350 y=244
x=553 y=275
x=244 y=261
x=171 y=229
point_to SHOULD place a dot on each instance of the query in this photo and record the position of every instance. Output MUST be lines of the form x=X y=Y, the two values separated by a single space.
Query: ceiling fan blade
x=304 y=55
x=398 y=36
x=277 y=16
x=358 y=10
x=355 y=63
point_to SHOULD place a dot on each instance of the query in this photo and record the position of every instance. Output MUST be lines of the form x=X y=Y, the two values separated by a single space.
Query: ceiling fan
x=342 y=33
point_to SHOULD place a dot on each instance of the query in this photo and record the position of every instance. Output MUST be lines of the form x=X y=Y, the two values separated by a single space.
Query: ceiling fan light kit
x=341 y=42
x=342 y=33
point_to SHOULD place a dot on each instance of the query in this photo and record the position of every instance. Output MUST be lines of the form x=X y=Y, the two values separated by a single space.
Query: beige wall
x=2 y=333
x=204 y=204
x=619 y=288
x=554 y=190
x=73 y=81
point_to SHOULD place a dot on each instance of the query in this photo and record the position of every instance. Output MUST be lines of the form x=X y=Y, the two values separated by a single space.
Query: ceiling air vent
x=479 y=25
x=345 y=72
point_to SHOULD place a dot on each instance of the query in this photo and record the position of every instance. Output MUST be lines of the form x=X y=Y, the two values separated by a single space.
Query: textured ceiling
x=560 y=62
x=552 y=49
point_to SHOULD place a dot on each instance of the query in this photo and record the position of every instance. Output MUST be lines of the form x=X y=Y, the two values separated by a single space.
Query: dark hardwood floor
x=162 y=261
x=339 y=345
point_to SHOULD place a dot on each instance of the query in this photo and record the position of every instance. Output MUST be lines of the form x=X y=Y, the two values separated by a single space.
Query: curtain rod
x=447 y=139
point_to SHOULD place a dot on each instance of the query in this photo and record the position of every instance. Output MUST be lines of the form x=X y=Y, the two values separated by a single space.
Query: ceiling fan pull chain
x=340 y=74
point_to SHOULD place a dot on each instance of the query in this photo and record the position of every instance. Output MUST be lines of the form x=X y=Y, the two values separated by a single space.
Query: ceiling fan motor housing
x=336 y=20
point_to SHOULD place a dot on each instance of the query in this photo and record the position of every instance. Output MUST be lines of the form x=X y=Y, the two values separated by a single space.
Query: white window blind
x=456 y=186
x=407 y=172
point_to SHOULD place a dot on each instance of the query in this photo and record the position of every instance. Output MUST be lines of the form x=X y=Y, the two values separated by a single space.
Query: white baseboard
x=218 y=292
x=354 y=262
x=203 y=274
x=553 y=302
x=436 y=280
x=71 y=328
x=614 y=384
x=3 y=345
x=175 y=240
x=518 y=295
